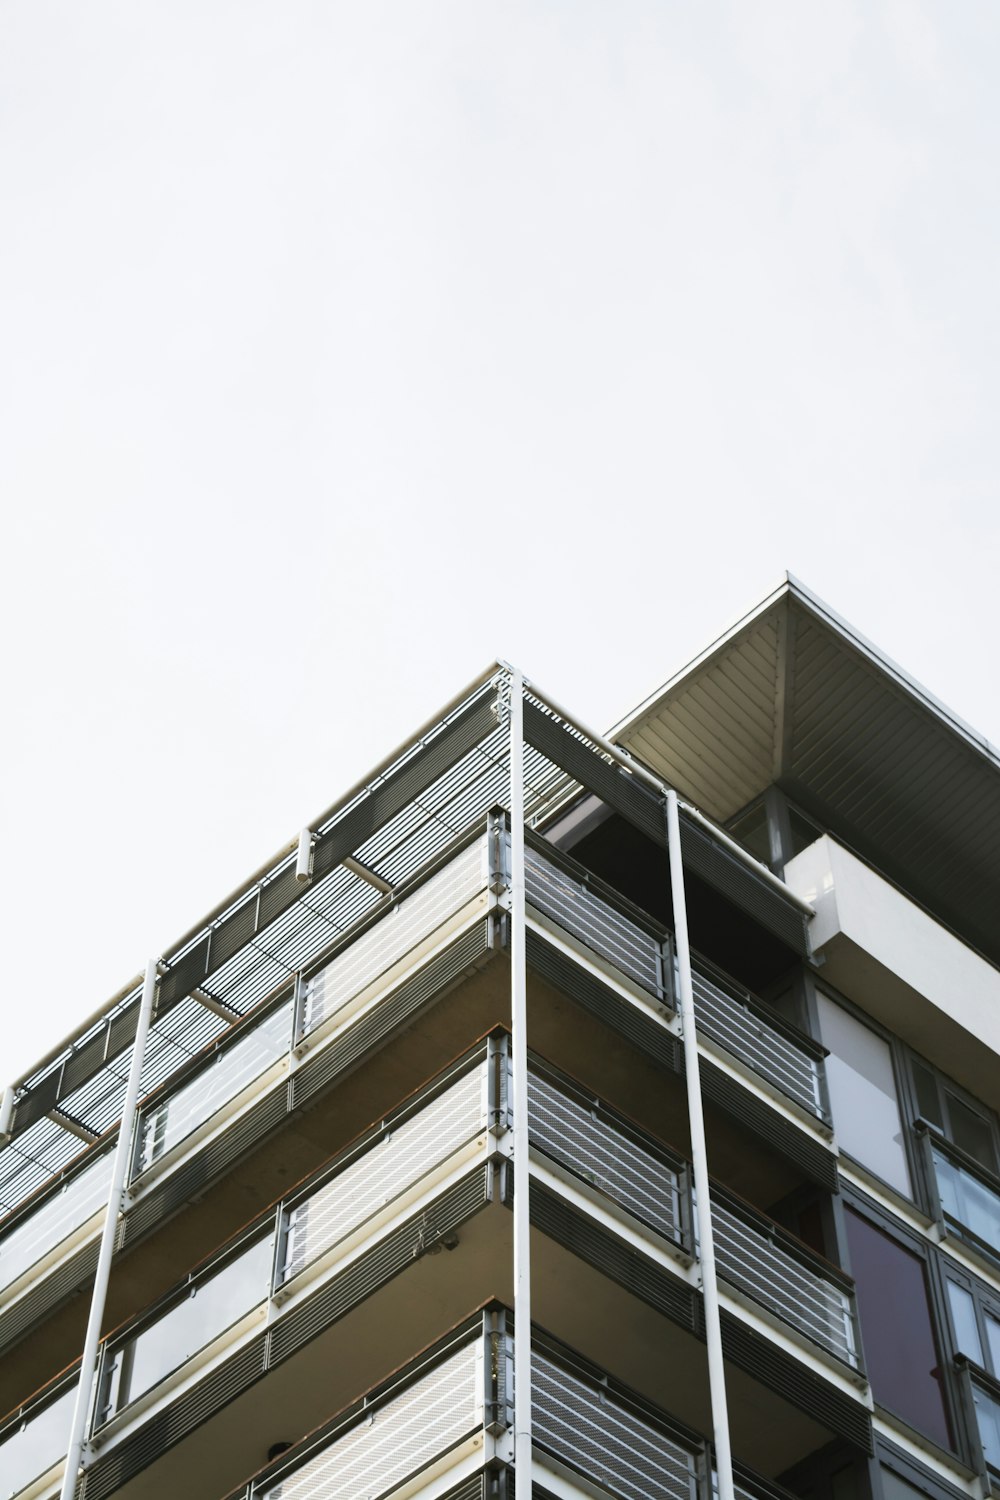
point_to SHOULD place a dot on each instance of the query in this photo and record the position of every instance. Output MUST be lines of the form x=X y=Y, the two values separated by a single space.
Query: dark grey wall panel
x=600 y=1248
x=601 y=1000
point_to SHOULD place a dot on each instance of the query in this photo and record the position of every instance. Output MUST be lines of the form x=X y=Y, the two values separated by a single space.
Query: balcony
x=271 y=1302
x=647 y=1188
x=635 y=952
x=300 y=1040
x=438 y=1424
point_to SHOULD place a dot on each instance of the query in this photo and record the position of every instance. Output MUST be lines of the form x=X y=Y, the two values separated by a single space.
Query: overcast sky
x=344 y=346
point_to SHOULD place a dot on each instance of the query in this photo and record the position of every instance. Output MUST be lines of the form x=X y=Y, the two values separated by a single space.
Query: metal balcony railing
x=364 y=1188
x=82 y=1194
x=165 y=1124
x=35 y=1443
x=790 y=1061
x=599 y=1148
x=406 y=1153
x=397 y=1439
x=612 y=928
x=753 y=1254
x=778 y=1273
x=399 y=928
x=568 y=900
x=609 y=1441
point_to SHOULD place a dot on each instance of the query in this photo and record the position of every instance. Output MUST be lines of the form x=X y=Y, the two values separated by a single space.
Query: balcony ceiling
x=793 y=695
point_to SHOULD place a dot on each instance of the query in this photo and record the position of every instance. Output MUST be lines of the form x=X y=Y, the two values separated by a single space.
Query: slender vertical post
x=519 y=1060
x=699 y=1161
x=102 y=1275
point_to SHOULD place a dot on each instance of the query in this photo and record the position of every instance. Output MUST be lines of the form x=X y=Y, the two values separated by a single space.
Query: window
x=897 y=1329
x=958 y=1118
x=863 y=1097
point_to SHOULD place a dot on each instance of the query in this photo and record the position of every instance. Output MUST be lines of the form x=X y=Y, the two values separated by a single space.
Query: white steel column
x=102 y=1275
x=699 y=1159
x=519 y=1061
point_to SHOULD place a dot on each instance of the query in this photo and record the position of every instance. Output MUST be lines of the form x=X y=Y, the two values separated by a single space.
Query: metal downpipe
x=699 y=1160
x=88 y=1363
x=519 y=1102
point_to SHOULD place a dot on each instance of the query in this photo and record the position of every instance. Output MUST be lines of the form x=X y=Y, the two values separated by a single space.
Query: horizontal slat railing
x=405 y=1154
x=597 y=1149
x=775 y=1271
x=729 y=1017
x=604 y=1439
x=398 y=1439
x=594 y=921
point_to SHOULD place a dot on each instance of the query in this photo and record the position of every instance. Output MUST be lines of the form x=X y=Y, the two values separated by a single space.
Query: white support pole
x=102 y=1275
x=519 y=1060
x=699 y=1160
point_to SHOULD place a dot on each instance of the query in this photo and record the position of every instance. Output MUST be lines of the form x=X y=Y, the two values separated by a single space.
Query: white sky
x=344 y=346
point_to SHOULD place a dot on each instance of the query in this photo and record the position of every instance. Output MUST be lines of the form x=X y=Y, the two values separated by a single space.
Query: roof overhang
x=792 y=695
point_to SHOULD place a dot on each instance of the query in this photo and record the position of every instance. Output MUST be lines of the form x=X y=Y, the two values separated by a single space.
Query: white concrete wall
x=896 y=962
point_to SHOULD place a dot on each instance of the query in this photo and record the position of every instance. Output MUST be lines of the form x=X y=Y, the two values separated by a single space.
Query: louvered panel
x=775 y=1130
x=396 y=1439
x=594 y=1149
x=783 y=1373
x=581 y=1234
x=605 y=1440
x=580 y=985
x=390 y=939
x=46 y=1293
x=401 y=1158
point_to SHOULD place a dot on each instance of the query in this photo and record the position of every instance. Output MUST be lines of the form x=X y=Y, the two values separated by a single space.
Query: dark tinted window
x=896 y=1328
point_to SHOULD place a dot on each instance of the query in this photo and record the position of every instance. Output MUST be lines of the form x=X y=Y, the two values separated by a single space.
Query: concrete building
x=612 y=1116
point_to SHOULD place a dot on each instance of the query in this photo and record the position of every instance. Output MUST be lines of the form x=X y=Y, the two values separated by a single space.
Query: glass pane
x=963 y=1316
x=993 y=1344
x=928 y=1101
x=750 y=829
x=967 y=1200
x=988 y=1417
x=863 y=1094
x=53 y=1220
x=31 y=1450
x=971 y=1132
x=896 y=1328
x=232 y=1069
x=214 y=1304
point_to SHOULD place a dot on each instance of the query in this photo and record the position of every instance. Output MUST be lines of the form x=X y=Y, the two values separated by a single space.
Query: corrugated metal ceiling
x=794 y=696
